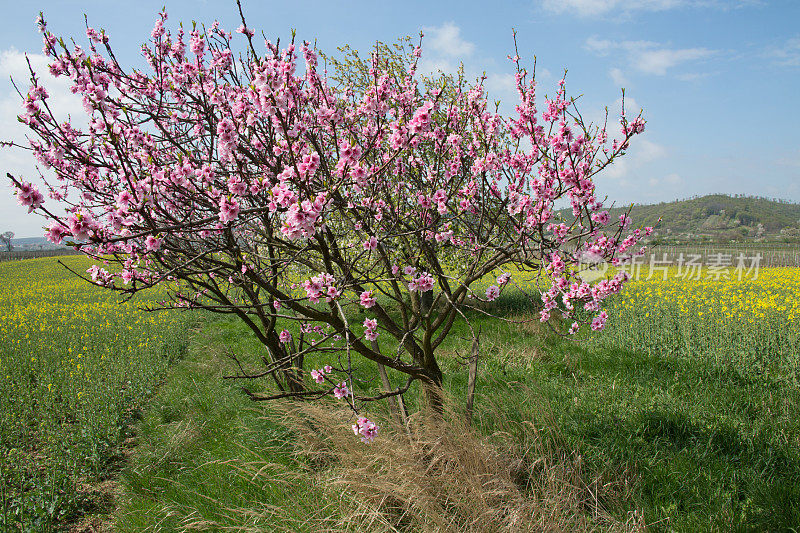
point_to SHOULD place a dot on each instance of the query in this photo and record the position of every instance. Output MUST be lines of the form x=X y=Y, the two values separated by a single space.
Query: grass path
x=195 y=444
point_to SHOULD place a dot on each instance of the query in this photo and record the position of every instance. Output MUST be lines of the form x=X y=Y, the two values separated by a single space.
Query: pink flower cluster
x=28 y=195
x=100 y=276
x=581 y=292
x=302 y=219
x=371 y=243
x=367 y=300
x=228 y=209
x=421 y=283
x=56 y=232
x=319 y=286
x=366 y=428
x=599 y=322
x=370 y=329
x=341 y=391
x=492 y=293
x=319 y=375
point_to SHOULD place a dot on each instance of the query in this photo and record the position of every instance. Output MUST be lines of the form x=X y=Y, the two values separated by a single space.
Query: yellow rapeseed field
x=749 y=323
x=734 y=317
x=75 y=364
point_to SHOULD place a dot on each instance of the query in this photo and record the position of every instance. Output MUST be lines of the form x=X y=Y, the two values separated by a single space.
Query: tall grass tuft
x=439 y=474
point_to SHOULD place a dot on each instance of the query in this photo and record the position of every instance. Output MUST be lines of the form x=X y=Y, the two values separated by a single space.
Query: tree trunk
x=426 y=302
x=396 y=405
x=432 y=390
x=473 y=376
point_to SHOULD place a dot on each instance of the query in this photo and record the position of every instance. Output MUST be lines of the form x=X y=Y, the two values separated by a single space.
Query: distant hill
x=718 y=218
x=34 y=243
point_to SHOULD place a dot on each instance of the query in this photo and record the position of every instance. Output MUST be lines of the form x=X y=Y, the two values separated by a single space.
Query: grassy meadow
x=680 y=416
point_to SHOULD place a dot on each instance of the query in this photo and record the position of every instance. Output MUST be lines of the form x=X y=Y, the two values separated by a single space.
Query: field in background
x=765 y=254
x=748 y=326
x=75 y=369
x=19 y=255
x=681 y=416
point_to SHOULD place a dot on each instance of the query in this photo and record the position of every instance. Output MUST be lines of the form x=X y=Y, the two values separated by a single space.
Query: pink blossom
x=444 y=236
x=422 y=283
x=371 y=243
x=341 y=391
x=492 y=292
x=332 y=293
x=237 y=186
x=557 y=264
x=370 y=331
x=285 y=336
x=367 y=299
x=366 y=428
x=228 y=210
x=601 y=217
x=302 y=219
x=245 y=30
x=28 y=195
x=318 y=376
x=321 y=285
x=599 y=322
x=56 y=232
x=81 y=225
x=152 y=244
x=127 y=276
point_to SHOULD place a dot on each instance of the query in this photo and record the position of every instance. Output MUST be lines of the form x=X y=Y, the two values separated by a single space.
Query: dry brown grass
x=440 y=475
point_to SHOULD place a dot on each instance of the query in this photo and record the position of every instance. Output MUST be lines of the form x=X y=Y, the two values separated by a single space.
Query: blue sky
x=718 y=79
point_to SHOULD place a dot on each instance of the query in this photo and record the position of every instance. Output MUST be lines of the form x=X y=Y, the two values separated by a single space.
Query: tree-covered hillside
x=720 y=217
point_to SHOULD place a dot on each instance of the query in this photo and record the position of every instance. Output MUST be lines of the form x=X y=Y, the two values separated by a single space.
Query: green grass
x=198 y=443
x=686 y=428
x=690 y=443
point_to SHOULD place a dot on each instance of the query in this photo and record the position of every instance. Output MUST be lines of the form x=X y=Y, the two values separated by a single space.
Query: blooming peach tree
x=241 y=178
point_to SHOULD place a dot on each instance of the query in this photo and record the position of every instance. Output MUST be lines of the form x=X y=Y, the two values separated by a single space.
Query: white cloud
x=502 y=87
x=673 y=179
x=664 y=186
x=787 y=55
x=694 y=76
x=590 y=8
x=18 y=162
x=619 y=77
x=646 y=56
x=444 y=49
x=632 y=107
x=446 y=40
x=639 y=154
x=658 y=61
